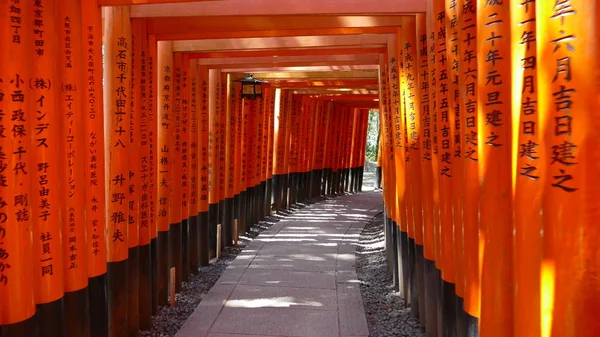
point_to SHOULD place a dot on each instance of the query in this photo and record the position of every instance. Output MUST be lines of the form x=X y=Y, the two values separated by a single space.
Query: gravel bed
x=169 y=320
x=384 y=308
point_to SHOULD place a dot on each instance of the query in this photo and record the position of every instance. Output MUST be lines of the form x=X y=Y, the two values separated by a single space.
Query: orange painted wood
x=494 y=158
x=208 y=34
x=194 y=146
x=528 y=178
x=166 y=122
x=413 y=123
x=140 y=78
x=425 y=139
x=568 y=102
x=17 y=282
x=238 y=140
x=185 y=137
x=153 y=151
x=392 y=146
x=71 y=148
x=117 y=86
x=270 y=145
x=454 y=113
x=95 y=198
x=286 y=52
x=231 y=138
x=222 y=142
x=213 y=136
x=203 y=141
x=178 y=25
x=175 y=141
x=467 y=83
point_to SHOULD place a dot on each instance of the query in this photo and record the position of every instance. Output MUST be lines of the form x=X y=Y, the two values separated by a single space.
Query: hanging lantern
x=251 y=87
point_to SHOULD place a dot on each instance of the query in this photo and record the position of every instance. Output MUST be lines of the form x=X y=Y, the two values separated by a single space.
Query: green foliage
x=372 y=136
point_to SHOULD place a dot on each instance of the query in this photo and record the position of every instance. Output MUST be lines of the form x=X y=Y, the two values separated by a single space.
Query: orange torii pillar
x=165 y=122
x=361 y=149
x=354 y=144
x=425 y=140
x=394 y=105
x=70 y=129
x=388 y=170
x=568 y=109
x=22 y=264
x=285 y=126
x=527 y=181
x=117 y=85
x=264 y=206
x=250 y=137
x=494 y=158
x=324 y=148
x=467 y=82
x=95 y=197
x=185 y=169
x=317 y=134
x=194 y=169
x=292 y=148
x=453 y=34
x=214 y=89
x=230 y=134
x=142 y=101
x=278 y=140
x=153 y=162
x=222 y=152
x=269 y=153
x=133 y=188
x=243 y=156
x=203 y=163
x=378 y=175
x=238 y=188
x=175 y=173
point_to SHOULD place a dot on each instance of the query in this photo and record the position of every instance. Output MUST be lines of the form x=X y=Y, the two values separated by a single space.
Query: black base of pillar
x=269 y=197
x=396 y=257
x=223 y=224
x=194 y=242
x=420 y=282
x=213 y=221
x=263 y=200
x=378 y=177
x=472 y=326
x=404 y=252
x=133 y=314
x=431 y=298
x=461 y=317
x=242 y=216
x=185 y=249
x=98 y=306
x=118 y=297
x=145 y=290
x=203 y=246
x=175 y=257
x=412 y=278
x=77 y=309
x=28 y=327
x=49 y=318
x=154 y=273
x=448 y=302
x=227 y=227
x=162 y=267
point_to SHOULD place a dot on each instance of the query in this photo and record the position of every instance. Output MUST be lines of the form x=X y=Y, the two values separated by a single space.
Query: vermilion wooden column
x=230 y=195
x=467 y=82
x=222 y=153
x=153 y=162
x=185 y=169
x=239 y=189
x=426 y=172
x=134 y=186
x=17 y=283
x=175 y=176
x=494 y=158
x=194 y=160
x=214 y=106
x=140 y=57
x=287 y=105
x=164 y=155
x=203 y=163
x=95 y=198
x=567 y=66
x=70 y=126
x=117 y=84
x=528 y=178
x=269 y=154
x=454 y=114
x=244 y=157
x=278 y=140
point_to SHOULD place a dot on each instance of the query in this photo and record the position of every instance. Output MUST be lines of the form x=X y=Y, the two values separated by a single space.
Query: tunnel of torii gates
x=113 y=176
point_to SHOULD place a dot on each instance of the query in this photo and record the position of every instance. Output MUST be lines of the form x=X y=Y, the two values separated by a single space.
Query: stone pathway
x=298 y=278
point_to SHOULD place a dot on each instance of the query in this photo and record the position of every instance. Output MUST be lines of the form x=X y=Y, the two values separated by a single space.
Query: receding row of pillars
x=114 y=177
x=489 y=118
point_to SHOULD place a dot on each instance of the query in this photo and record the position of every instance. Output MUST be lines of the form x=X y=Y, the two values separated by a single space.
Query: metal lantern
x=251 y=87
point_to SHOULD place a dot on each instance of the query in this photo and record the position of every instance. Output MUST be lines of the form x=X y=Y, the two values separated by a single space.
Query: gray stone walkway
x=297 y=278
